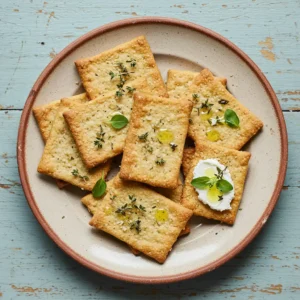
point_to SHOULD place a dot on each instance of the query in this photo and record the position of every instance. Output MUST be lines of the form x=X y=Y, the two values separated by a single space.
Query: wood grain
x=32 y=33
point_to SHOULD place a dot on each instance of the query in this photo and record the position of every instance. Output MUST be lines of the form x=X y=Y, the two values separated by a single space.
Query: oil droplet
x=108 y=211
x=213 y=194
x=209 y=172
x=204 y=115
x=161 y=215
x=165 y=136
x=213 y=135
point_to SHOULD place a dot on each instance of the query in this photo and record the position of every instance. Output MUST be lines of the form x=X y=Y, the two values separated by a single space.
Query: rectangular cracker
x=237 y=163
x=94 y=71
x=207 y=87
x=178 y=82
x=45 y=116
x=145 y=158
x=86 y=121
x=61 y=158
x=139 y=227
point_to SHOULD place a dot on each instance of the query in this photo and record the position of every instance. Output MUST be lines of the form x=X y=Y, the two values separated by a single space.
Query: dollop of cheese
x=210 y=196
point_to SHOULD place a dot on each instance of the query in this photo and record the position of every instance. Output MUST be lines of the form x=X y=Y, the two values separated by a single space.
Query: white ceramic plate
x=176 y=45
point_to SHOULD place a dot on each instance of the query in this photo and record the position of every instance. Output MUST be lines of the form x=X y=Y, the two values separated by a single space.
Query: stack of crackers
x=146 y=204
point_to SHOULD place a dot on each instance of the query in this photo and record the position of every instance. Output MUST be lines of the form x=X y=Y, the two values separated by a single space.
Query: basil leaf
x=118 y=121
x=231 y=118
x=99 y=188
x=201 y=182
x=224 y=186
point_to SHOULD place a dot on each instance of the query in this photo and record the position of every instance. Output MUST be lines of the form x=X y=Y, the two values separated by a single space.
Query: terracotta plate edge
x=23 y=128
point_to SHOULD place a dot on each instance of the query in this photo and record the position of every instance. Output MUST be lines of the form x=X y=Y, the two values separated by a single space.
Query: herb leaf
x=224 y=186
x=201 y=182
x=143 y=137
x=118 y=121
x=231 y=118
x=99 y=188
x=223 y=101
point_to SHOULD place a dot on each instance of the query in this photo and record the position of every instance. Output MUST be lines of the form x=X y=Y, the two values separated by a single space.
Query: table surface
x=32 y=32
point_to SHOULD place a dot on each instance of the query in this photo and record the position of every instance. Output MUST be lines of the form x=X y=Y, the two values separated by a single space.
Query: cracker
x=94 y=71
x=206 y=87
x=178 y=82
x=237 y=163
x=187 y=158
x=61 y=158
x=145 y=159
x=45 y=116
x=172 y=194
x=86 y=122
x=139 y=227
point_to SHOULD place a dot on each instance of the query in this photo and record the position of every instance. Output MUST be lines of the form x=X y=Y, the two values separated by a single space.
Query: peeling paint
x=224 y=5
x=134 y=13
x=185 y=12
x=267 y=45
x=52 y=54
x=268 y=54
x=4 y=186
x=273 y=289
x=275 y=257
x=289 y=61
x=16 y=10
x=51 y=15
x=83 y=27
x=30 y=290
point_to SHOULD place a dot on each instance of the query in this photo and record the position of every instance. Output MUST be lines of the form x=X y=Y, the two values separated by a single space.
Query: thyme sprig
x=99 y=138
x=75 y=173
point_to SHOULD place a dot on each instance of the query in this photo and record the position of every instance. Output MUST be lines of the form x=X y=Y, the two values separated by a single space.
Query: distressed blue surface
x=32 y=32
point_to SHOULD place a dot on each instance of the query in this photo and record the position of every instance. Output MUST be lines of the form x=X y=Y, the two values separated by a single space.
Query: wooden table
x=32 y=32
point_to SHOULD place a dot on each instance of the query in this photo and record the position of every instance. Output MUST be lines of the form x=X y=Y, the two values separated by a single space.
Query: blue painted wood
x=31 y=33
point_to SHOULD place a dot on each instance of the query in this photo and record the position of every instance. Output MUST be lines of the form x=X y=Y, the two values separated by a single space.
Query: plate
x=176 y=45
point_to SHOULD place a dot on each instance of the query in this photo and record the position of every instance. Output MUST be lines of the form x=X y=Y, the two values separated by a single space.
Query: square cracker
x=148 y=160
x=94 y=71
x=86 y=120
x=128 y=212
x=61 y=158
x=45 y=116
x=92 y=203
x=237 y=163
x=207 y=87
x=178 y=82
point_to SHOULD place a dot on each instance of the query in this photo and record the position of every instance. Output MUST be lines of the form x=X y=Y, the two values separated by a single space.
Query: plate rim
x=24 y=124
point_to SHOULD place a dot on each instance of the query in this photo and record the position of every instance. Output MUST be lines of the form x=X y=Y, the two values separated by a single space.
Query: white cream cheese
x=210 y=197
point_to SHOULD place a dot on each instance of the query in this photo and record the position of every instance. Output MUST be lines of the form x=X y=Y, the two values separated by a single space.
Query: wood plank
x=39 y=30
x=31 y=264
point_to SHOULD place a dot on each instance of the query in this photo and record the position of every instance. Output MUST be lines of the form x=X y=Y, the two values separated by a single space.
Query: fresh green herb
x=132 y=198
x=132 y=62
x=160 y=161
x=143 y=137
x=75 y=173
x=99 y=138
x=173 y=146
x=123 y=75
x=198 y=110
x=207 y=105
x=148 y=148
x=122 y=210
x=195 y=97
x=205 y=182
x=119 y=93
x=118 y=121
x=130 y=89
x=224 y=186
x=143 y=208
x=201 y=183
x=136 y=225
x=223 y=101
x=220 y=197
x=99 y=188
x=231 y=118
x=215 y=121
